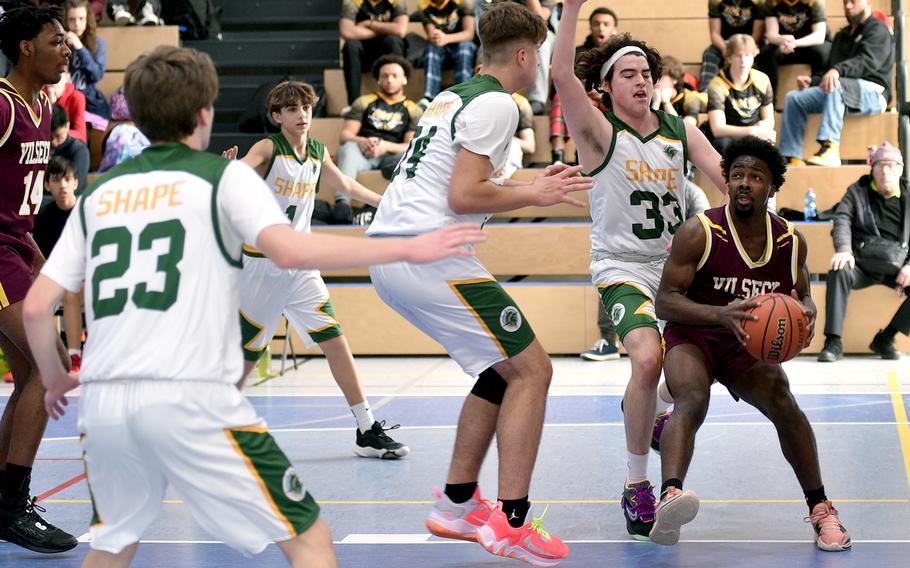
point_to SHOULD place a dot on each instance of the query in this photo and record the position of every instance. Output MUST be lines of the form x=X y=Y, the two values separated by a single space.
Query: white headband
x=615 y=57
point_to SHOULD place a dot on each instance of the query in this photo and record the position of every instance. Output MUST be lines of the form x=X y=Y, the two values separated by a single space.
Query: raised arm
x=672 y=304
x=259 y=156
x=591 y=131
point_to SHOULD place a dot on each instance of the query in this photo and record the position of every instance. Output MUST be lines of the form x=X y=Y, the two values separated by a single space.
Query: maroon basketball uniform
x=25 y=149
x=726 y=273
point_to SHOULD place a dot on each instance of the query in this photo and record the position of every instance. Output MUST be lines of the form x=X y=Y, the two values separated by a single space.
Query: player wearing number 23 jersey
x=25 y=148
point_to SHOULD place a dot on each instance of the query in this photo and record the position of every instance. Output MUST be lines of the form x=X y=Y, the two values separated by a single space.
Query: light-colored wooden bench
x=362 y=313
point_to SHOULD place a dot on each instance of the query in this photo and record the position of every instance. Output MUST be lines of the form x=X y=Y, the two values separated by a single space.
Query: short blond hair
x=165 y=89
x=737 y=42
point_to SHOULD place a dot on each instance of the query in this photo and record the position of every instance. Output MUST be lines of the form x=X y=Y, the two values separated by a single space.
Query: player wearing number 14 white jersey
x=444 y=178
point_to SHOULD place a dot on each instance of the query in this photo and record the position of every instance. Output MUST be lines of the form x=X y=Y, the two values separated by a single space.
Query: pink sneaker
x=530 y=543
x=458 y=520
x=830 y=534
x=675 y=509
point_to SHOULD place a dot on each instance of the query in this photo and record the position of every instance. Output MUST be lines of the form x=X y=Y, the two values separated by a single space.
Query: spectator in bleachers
x=60 y=183
x=64 y=145
x=523 y=143
x=125 y=140
x=449 y=25
x=726 y=18
x=64 y=93
x=676 y=95
x=740 y=100
x=370 y=30
x=795 y=32
x=378 y=127
x=89 y=55
x=871 y=227
x=148 y=12
x=97 y=7
x=603 y=22
x=858 y=81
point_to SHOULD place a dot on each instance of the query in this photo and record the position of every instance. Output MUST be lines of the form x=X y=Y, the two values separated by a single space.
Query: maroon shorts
x=16 y=272
x=724 y=354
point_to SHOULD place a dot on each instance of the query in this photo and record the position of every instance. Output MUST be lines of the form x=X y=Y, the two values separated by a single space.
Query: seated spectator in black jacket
x=370 y=29
x=795 y=32
x=858 y=81
x=62 y=144
x=874 y=208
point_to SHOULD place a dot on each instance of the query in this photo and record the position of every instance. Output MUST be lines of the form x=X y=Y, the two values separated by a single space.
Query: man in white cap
x=871 y=229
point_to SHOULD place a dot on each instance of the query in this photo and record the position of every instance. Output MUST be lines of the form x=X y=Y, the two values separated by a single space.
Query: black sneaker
x=883 y=347
x=833 y=350
x=375 y=443
x=25 y=527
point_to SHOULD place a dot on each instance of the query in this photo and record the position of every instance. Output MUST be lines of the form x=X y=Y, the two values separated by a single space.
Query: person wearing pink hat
x=871 y=230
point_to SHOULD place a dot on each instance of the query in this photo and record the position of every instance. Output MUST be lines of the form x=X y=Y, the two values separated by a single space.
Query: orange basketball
x=779 y=332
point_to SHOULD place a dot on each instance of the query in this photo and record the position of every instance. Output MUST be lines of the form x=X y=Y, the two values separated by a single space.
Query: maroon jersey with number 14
x=726 y=273
x=25 y=149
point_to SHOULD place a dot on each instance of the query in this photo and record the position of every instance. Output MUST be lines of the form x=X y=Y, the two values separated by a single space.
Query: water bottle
x=264 y=365
x=809 y=211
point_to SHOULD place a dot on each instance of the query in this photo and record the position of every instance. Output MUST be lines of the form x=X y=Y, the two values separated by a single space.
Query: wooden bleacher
x=513 y=248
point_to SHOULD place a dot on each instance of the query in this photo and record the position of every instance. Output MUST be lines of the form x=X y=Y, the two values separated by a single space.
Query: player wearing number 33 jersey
x=25 y=148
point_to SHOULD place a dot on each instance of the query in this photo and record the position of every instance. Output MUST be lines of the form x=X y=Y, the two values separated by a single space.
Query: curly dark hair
x=24 y=24
x=759 y=148
x=589 y=63
x=386 y=59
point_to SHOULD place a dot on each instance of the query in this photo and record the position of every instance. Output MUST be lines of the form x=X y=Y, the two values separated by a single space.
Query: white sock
x=638 y=468
x=74 y=352
x=662 y=405
x=364 y=416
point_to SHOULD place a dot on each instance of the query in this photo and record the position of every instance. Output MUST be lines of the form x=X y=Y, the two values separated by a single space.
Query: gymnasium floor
x=751 y=514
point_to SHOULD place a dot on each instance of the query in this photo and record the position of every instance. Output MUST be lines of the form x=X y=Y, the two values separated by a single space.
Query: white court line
x=563 y=425
x=378 y=538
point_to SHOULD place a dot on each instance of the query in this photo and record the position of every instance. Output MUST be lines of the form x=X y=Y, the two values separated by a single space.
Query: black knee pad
x=490 y=386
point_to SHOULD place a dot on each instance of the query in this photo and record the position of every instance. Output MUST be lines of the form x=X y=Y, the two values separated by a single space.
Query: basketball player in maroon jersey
x=33 y=41
x=721 y=259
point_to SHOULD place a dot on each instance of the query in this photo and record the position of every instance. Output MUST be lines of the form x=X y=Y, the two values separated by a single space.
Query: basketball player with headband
x=720 y=259
x=638 y=158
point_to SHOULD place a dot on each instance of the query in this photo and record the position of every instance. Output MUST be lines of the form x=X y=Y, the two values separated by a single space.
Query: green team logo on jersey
x=671 y=152
x=292 y=485
x=510 y=319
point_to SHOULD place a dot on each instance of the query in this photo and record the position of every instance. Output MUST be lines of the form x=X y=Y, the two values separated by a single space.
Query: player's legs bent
x=689 y=380
x=767 y=388
x=646 y=355
x=344 y=371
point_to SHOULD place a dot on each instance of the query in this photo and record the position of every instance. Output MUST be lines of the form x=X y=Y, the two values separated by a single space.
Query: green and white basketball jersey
x=157 y=241
x=639 y=191
x=477 y=115
x=294 y=182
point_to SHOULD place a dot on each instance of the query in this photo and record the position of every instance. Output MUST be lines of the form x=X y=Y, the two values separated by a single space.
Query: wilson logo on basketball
x=777 y=343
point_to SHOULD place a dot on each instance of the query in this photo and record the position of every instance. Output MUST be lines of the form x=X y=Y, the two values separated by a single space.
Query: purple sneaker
x=659 y=424
x=638 y=505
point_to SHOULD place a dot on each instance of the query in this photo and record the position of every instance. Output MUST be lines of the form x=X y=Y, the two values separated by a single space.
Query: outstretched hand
x=230 y=153
x=445 y=242
x=551 y=189
x=55 y=396
x=734 y=314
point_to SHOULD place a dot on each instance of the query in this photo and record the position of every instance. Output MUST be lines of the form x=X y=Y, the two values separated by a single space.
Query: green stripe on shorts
x=249 y=331
x=497 y=312
x=329 y=331
x=292 y=502
x=627 y=307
